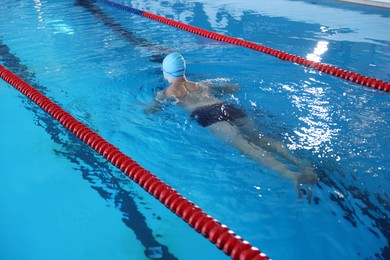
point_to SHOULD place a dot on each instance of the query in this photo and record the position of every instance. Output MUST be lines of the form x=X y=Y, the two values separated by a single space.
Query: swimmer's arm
x=221 y=89
x=159 y=101
x=154 y=108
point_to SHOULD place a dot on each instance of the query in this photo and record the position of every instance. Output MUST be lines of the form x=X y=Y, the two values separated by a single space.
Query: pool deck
x=379 y=3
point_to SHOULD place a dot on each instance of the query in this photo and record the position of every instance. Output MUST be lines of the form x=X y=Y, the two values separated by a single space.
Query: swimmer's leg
x=248 y=128
x=231 y=135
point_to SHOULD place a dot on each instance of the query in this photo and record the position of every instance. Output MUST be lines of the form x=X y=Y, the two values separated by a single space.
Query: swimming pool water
x=60 y=200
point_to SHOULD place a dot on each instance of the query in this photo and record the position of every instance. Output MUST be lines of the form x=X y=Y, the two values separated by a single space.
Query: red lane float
x=329 y=69
x=210 y=228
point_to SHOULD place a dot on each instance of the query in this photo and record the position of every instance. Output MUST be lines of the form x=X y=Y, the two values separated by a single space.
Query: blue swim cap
x=174 y=65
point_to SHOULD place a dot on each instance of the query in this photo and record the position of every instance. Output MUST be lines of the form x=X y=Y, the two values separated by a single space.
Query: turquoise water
x=60 y=200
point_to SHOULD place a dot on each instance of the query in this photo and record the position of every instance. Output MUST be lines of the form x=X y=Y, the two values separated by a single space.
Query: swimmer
x=229 y=123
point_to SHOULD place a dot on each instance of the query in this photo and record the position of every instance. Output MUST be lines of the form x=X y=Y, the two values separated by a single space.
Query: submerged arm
x=221 y=89
x=160 y=101
x=154 y=108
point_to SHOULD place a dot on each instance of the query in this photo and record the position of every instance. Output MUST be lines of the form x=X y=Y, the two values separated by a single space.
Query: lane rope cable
x=219 y=234
x=329 y=69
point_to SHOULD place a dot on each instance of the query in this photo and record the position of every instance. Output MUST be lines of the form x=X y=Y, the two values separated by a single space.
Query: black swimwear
x=211 y=114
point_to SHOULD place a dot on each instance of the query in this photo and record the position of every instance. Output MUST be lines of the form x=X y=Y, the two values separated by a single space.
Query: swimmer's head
x=174 y=66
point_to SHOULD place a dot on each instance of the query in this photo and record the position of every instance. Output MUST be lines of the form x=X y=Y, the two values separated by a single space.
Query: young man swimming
x=228 y=122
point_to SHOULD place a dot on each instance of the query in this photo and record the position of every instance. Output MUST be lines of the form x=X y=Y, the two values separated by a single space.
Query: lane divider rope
x=216 y=232
x=329 y=69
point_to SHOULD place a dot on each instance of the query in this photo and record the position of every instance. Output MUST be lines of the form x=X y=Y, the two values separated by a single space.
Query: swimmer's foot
x=308 y=192
x=307 y=178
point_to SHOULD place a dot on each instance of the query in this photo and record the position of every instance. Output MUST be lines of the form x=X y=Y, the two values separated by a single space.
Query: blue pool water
x=61 y=200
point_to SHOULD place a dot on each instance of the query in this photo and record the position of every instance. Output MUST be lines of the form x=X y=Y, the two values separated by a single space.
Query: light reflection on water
x=321 y=48
x=317 y=130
